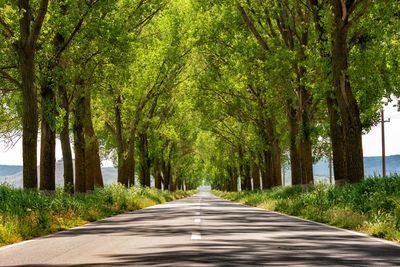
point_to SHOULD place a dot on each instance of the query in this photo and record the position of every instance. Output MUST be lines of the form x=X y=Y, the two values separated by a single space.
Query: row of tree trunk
x=344 y=117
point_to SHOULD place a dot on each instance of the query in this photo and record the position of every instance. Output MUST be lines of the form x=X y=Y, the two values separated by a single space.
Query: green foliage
x=26 y=214
x=372 y=206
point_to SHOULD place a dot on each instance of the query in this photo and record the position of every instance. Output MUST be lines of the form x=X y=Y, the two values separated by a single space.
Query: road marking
x=196 y=236
x=197 y=213
x=16 y=244
x=197 y=220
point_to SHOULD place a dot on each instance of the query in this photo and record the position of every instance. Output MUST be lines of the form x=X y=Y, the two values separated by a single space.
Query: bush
x=372 y=206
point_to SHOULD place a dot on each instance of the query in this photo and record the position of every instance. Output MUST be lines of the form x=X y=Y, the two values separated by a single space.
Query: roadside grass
x=25 y=214
x=371 y=207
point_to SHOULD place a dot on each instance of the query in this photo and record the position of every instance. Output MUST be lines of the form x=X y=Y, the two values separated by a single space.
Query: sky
x=371 y=141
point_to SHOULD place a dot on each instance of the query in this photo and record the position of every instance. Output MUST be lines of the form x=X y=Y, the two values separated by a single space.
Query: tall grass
x=372 y=206
x=28 y=214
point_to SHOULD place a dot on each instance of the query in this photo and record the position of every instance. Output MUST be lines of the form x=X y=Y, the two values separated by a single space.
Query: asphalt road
x=202 y=230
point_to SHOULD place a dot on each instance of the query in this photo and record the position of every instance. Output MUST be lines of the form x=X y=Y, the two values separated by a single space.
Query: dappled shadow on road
x=239 y=237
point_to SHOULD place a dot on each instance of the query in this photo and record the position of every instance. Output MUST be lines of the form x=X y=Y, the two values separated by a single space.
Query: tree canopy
x=187 y=92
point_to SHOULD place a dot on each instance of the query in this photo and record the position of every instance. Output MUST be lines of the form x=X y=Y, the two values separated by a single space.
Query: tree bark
x=347 y=104
x=295 y=164
x=144 y=160
x=157 y=177
x=275 y=154
x=79 y=145
x=25 y=48
x=166 y=169
x=122 y=168
x=267 y=170
x=130 y=161
x=256 y=176
x=306 y=161
x=244 y=171
x=337 y=142
x=173 y=183
x=29 y=120
x=94 y=176
x=66 y=144
x=48 y=139
x=276 y=164
x=233 y=177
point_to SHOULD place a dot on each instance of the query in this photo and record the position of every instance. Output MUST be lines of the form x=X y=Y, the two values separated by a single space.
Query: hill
x=13 y=174
x=372 y=166
x=6 y=170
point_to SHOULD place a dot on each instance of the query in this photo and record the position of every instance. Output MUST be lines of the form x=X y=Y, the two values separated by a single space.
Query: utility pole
x=383 y=143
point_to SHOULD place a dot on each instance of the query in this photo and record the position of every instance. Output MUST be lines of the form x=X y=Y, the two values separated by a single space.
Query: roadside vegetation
x=26 y=214
x=371 y=207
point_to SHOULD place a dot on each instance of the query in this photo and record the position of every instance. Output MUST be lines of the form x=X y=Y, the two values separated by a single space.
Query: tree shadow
x=238 y=236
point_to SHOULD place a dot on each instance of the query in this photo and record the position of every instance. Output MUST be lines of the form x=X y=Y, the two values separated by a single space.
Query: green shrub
x=372 y=206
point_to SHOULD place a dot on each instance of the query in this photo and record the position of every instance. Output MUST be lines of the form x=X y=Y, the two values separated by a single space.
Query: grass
x=371 y=207
x=28 y=214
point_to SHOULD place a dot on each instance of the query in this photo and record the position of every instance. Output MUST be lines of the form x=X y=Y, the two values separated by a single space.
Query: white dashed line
x=197 y=220
x=196 y=236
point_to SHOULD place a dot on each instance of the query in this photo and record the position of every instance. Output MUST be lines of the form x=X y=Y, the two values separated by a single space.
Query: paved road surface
x=202 y=230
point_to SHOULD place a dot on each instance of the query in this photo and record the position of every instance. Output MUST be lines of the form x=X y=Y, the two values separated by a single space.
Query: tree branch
x=76 y=30
x=37 y=24
x=9 y=78
x=8 y=33
x=358 y=16
x=252 y=28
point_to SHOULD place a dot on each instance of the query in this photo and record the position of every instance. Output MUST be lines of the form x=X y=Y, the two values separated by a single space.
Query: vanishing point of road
x=202 y=230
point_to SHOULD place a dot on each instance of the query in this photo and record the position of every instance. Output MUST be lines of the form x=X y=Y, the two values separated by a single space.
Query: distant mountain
x=13 y=175
x=372 y=166
x=6 y=170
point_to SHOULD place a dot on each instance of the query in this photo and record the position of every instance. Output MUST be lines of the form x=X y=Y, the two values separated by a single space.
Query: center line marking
x=196 y=220
x=196 y=236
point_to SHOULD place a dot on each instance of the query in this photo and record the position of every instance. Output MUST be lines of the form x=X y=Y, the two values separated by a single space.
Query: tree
x=24 y=45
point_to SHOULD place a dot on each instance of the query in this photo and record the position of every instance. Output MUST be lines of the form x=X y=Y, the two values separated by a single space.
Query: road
x=202 y=230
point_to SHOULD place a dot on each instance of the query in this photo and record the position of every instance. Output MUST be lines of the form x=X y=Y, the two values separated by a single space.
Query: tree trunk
x=29 y=119
x=79 y=146
x=256 y=176
x=267 y=170
x=66 y=144
x=245 y=178
x=234 y=180
x=347 y=104
x=295 y=161
x=48 y=139
x=306 y=161
x=166 y=169
x=157 y=177
x=25 y=48
x=173 y=183
x=94 y=176
x=307 y=175
x=130 y=161
x=122 y=163
x=275 y=154
x=233 y=177
x=337 y=142
x=179 y=183
x=144 y=160
x=276 y=164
